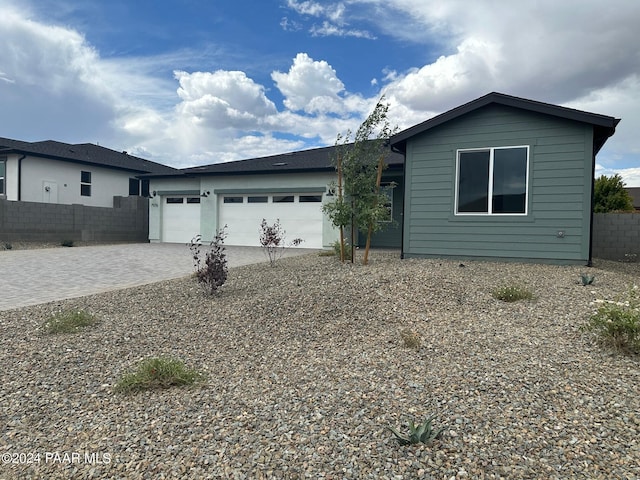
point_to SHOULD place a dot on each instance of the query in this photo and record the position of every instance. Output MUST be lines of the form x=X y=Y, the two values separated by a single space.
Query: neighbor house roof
x=604 y=126
x=312 y=160
x=86 y=153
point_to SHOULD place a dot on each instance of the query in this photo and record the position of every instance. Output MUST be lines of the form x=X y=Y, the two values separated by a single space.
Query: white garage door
x=180 y=218
x=300 y=216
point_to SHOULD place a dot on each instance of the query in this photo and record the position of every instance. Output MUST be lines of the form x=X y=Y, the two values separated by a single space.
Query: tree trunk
x=370 y=230
x=340 y=199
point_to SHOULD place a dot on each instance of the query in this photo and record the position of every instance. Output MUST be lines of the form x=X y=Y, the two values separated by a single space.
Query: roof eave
x=398 y=141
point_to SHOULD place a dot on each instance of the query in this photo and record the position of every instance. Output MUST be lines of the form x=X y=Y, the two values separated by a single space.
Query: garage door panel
x=297 y=219
x=180 y=220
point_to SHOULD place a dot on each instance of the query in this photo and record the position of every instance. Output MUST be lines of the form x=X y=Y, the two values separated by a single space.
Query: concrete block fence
x=616 y=236
x=127 y=221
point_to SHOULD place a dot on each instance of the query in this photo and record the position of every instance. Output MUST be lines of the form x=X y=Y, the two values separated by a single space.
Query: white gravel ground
x=306 y=368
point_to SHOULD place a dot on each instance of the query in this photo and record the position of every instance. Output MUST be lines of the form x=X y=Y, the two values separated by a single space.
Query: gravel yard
x=306 y=367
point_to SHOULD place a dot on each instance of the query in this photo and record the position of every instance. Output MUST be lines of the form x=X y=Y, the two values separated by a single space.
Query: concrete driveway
x=30 y=277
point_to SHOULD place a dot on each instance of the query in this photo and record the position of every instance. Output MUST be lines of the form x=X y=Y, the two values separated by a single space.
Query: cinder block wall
x=127 y=221
x=616 y=236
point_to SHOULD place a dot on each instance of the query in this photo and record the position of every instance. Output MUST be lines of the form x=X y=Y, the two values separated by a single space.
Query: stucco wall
x=63 y=182
x=616 y=236
x=127 y=221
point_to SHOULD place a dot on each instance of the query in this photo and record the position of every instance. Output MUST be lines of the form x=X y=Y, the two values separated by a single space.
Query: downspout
x=20 y=176
x=593 y=173
x=404 y=199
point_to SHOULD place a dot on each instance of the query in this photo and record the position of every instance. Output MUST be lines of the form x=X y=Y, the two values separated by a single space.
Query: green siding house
x=501 y=177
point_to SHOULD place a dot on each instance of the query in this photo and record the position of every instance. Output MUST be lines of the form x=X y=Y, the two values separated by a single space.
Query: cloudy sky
x=191 y=82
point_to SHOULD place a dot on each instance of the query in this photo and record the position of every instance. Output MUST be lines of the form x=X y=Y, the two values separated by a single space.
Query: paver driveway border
x=31 y=277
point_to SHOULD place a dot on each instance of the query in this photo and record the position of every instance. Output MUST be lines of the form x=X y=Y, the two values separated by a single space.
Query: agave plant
x=587 y=279
x=418 y=433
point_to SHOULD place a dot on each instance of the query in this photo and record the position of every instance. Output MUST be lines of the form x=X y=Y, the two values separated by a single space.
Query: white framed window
x=492 y=181
x=3 y=169
x=85 y=184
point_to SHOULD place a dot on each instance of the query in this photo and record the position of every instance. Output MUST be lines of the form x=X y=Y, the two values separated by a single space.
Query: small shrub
x=212 y=270
x=616 y=324
x=66 y=243
x=157 y=373
x=418 y=433
x=7 y=246
x=272 y=240
x=411 y=339
x=347 y=249
x=70 y=321
x=512 y=293
x=587 y=279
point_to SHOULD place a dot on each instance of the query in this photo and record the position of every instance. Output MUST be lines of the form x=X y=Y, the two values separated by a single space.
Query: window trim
x=85 y=186
x=489 y=212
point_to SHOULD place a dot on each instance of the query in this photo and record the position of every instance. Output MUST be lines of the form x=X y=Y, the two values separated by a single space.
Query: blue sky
x=189 y=82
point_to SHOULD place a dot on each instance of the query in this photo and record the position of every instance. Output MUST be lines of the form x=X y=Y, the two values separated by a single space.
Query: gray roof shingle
x=86 y=153
x=312 y=160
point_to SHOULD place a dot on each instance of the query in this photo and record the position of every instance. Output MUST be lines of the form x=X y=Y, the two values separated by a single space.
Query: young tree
x=609 y=195
x=359 y=164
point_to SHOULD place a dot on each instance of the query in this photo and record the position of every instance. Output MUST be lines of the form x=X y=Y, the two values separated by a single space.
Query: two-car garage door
x=300 y=216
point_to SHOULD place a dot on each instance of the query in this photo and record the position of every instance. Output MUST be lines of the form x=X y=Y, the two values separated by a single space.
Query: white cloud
x=630 y=176
x=312 y=86
x=334 y=10
x=328 y=29
x=573 y=53
x=222 y=99
x=335 y=24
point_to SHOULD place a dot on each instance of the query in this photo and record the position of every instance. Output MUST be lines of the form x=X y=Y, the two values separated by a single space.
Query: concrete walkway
x=31 y=277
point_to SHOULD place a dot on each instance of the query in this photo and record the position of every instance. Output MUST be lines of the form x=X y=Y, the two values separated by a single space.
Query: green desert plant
x=418 y=433
x=616 y=324
x=69 y=321
x=7 y=246
x=587 y=279
x=512 y=293
x=157 y=373
x=66 y=243
x=347 y=249
x=410 y=339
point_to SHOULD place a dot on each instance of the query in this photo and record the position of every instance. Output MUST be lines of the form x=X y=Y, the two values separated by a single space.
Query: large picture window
x=492 y=181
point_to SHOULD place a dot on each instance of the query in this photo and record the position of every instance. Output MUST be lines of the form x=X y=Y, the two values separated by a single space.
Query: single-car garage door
x=180 y=218
x=300 y=216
